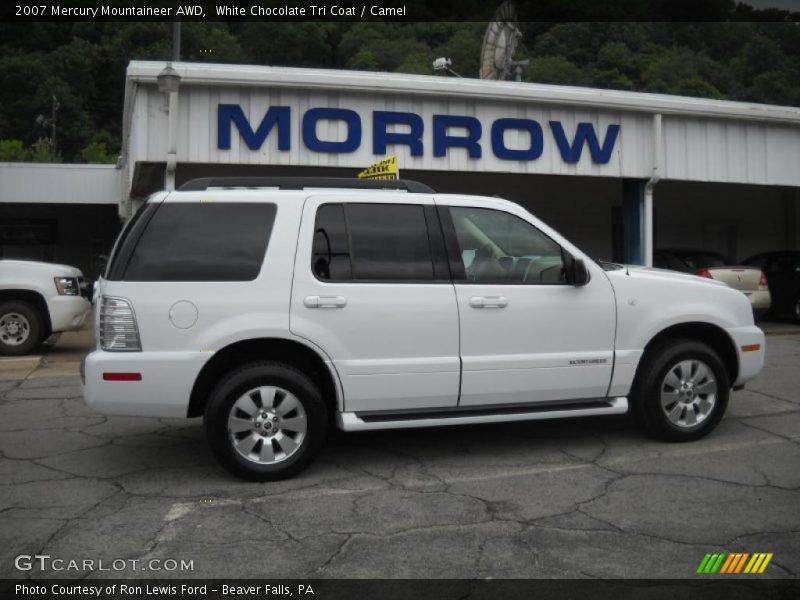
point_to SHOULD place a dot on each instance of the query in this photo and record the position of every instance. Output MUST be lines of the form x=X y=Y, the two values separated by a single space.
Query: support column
x=633 y=217
x=791 y=203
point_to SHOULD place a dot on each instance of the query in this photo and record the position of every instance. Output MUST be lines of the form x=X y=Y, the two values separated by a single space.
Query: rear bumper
x=760 y=300
x=67 y=312
x=164 y=389
x=750 y=351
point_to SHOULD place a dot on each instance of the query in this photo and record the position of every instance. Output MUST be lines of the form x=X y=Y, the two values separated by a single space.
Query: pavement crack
x=336 y=553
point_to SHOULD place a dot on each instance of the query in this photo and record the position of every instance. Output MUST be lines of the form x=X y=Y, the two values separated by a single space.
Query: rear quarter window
x=203 y=241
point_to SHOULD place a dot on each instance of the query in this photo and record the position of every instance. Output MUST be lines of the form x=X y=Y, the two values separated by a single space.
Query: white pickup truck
x=36 y=300
x=279 y=312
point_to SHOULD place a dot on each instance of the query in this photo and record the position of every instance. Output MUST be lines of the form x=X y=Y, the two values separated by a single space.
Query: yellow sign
x=383 y=169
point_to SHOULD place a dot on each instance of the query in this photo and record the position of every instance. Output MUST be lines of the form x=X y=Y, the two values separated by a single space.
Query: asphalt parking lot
x=579 y=498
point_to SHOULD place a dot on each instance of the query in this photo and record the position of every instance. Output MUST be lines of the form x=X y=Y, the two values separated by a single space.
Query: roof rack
x=302 y=183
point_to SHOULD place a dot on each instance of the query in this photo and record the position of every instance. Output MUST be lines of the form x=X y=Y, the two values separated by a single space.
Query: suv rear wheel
x=682 y=391
x=21 y=327
x=265 y=421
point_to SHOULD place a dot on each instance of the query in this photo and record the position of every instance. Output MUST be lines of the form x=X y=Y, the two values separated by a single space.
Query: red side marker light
x=122 y=376
x=704 y=273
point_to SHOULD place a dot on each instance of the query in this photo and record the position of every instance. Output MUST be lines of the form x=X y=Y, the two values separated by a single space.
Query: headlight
x=67 y=286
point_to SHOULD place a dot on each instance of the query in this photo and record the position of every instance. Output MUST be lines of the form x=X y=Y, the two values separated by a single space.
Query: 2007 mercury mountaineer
x=279 y=308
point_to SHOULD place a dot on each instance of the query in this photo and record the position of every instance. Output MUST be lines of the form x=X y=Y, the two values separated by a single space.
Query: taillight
x=118 y=331
x=703 y=273
x=762 y=283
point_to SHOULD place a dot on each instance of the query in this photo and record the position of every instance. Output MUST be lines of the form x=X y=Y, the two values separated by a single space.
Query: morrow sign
x=448 y=131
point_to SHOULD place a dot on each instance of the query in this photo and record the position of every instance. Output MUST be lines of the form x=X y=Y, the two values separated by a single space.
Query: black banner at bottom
x=402 y=589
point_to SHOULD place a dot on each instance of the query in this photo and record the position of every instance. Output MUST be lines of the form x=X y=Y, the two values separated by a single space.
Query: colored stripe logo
x=734 y=563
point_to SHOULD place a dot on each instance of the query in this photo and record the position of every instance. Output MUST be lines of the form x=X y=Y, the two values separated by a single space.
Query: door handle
x=488 y=302
x=325 y=301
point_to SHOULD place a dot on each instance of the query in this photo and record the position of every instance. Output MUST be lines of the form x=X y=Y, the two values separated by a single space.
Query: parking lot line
x=18 y=367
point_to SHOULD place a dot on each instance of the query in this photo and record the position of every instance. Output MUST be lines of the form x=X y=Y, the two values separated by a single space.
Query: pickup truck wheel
x=265 y=421
x=21 y=328
x=682 y=391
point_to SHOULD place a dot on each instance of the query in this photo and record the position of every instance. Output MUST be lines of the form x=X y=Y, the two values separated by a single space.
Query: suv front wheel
x=265 y=421
x=682 y=391
x=21 y=328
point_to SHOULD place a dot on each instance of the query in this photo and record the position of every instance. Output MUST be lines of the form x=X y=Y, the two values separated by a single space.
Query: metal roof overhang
x=208 y=74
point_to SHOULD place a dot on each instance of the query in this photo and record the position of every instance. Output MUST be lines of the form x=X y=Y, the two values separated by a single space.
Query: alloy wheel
x=688 y=393
x=267 y=425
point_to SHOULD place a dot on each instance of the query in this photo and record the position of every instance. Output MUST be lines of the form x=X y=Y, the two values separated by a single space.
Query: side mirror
x=577 y=274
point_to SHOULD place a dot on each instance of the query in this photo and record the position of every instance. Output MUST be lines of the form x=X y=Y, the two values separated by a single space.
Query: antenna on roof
x=499 y=44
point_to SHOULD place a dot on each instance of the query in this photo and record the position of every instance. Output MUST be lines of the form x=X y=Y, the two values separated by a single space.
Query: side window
x=785 y=264
x=209 y=241
x=713 y=260
x=676 y=264
x=773 y=266
x=371 y=242
x=691 y=260
x=125 y=243
x=330 y=254
x=758 y=261
x=498 y=247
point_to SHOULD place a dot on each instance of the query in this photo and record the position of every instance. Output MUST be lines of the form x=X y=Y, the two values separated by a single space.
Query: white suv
x=276 y=313
x=38 y=299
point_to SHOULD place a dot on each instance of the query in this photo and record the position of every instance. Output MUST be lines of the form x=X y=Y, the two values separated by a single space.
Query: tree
x=13 y=151
x=97 y=153
x=759 y=55
x=554 y=69
x=42 y=152
x=308 y=44
x=83 y=64
x=681 y=71
x=463 y=48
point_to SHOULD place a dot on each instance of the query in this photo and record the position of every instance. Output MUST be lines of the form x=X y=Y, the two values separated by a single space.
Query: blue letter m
x=585 y=134
x=232 y=113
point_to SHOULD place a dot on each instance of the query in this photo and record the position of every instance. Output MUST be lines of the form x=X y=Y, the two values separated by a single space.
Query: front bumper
x=67 y=313
x=167 y=379
x=750 y=351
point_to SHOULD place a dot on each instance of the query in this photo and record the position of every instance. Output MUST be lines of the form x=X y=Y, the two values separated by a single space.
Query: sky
x=793 y=5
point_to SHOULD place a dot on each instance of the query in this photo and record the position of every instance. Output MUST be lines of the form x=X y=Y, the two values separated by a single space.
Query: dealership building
x=619 y=173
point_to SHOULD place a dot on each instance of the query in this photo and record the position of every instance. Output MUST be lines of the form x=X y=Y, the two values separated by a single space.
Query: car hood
x=666 y=274
x=41 y=267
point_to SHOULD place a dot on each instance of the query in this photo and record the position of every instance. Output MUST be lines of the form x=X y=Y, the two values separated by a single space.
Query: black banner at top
x=396 y=10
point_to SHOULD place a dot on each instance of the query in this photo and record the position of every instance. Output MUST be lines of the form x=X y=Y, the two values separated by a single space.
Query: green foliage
x=83 y=64
x=13 y=151
x=42 y=151
x=97 y=152
x=294 y=44
x=554 y=69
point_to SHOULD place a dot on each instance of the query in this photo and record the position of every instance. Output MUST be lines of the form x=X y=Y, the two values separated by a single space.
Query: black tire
x=233 y=387
x=647 y=389
x=31 y=319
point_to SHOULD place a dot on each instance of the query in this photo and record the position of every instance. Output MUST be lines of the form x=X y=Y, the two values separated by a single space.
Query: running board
x=365 y=421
